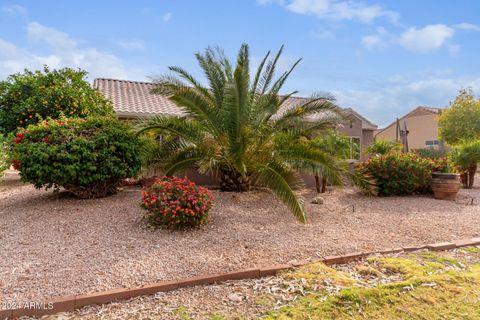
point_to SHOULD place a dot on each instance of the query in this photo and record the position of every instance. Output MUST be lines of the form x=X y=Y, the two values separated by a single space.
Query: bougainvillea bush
x=28 y=97
x=88 y=157
x=397 y=173
x=176 y=203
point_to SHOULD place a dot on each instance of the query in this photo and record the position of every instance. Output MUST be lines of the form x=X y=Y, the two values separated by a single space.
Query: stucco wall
x=367 y=138
x=353 y=127
x=421 y=128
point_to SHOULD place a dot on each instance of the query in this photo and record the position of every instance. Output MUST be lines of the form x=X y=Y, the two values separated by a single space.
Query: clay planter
x=445 y=186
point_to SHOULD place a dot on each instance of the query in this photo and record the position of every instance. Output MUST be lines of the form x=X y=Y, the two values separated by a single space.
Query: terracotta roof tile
x=133 y=99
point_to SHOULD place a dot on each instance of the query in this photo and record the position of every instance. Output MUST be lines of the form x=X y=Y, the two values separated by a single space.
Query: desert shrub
x=176 y=203
x=401 y=173
x=26 y=98
x=88 y=157
x=465 y=158
x=431 y=153
x=379 y=147
x=4 y=155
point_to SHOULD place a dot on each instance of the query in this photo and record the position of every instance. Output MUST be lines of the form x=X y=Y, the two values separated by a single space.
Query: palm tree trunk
x=234 y=181
x=471 y=175
x=317 y=183
x=324 y=184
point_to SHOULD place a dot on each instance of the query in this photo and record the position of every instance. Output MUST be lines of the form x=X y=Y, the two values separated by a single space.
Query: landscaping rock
x=318 y=200
x=234 y=297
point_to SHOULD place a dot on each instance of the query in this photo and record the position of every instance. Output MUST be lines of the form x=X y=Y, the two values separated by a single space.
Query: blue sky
x=382 y=58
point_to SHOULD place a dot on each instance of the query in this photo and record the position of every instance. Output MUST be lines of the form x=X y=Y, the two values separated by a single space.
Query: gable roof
x=134 y=99
x=430 y=110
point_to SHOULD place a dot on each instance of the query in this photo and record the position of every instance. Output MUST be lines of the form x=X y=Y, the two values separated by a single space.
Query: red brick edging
x=67 y=303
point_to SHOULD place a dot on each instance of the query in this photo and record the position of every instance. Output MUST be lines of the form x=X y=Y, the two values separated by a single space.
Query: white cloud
x=167 y=17
x=63 y=51
x=336 y=10
x=136 y=45
x=426 y=39
x=15 y=10
x=56 y=39
x=401 y=95
x=381 y=39
x=467 y=26
x=373 y=41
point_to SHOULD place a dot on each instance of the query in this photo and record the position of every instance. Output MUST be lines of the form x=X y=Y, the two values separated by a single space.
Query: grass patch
x=471 y=249
x=423 y=286
x=182 y=313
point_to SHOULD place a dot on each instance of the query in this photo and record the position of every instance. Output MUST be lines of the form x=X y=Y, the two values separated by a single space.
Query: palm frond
x=283 y=183
x=183 y=159
x=269 y=72
x=314 y=105
x=187 y=129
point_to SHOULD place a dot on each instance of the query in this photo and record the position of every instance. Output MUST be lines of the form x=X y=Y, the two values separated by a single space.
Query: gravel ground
x=246 y=299
x=53 y=244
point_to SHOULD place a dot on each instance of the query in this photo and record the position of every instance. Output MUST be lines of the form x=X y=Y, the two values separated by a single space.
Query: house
x=422 y=126
x=133 y=100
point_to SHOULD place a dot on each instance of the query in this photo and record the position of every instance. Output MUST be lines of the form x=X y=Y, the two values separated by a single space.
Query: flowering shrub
x=401 y=173
x=177 y=203
x=4 y=155
x=26 y=97
x=88 y=157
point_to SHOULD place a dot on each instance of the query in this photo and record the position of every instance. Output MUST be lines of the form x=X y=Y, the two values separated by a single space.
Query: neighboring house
x=133 y=100
x=422 y=126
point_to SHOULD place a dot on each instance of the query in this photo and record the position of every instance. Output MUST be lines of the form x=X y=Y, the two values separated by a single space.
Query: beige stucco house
x=422 y=126
x=133 y=99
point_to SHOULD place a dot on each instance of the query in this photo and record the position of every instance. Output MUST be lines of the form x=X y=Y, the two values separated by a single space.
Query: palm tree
x=467 y=156
x=233 y=126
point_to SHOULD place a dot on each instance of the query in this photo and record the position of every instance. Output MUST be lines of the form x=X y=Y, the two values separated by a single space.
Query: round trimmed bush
x=88 y=157
x=398 y=173
x=176 y=203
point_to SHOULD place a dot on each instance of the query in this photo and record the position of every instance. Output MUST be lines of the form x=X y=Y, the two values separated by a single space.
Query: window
x=432 y=143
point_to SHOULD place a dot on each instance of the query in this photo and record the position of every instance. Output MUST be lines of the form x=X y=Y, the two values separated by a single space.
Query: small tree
x=466 y=157
x=461 y=121
x=334 y=144
x=27 y=97
x=381 y=147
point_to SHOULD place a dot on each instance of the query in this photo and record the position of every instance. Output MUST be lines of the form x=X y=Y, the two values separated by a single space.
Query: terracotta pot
x=445 y=186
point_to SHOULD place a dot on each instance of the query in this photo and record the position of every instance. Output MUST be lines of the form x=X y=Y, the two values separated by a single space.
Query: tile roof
x=133 y=99
x=430 y=109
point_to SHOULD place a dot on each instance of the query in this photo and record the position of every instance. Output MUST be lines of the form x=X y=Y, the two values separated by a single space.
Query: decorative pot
x=445 y=186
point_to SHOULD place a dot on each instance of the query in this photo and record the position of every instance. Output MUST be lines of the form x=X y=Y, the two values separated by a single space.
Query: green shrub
x=26 y=98
x=431 y=153
x=88 y=157
x=177 y=203
x=465 y=158
x=400 y=173
x=4 y=155
x=379 y=147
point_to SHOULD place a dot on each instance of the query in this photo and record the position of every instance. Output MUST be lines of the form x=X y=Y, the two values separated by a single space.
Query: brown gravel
x=245 y=299
x=53 y=245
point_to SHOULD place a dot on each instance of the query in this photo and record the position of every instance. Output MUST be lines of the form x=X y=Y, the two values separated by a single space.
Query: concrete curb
x=68 y=303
